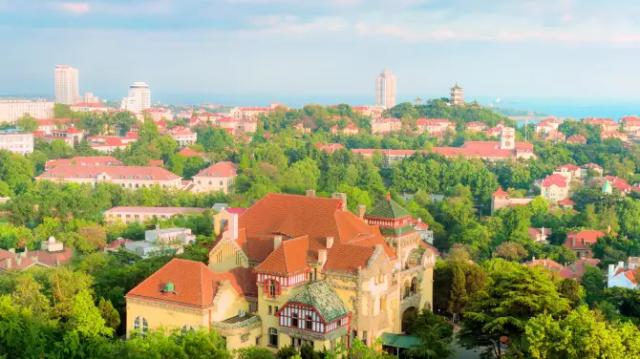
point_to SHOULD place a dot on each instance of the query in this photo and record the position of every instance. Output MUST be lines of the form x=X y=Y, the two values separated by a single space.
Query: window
x=414 y=285
x=276 y=310
x=141 y=324
x=273 y=337
x=294 y=320
x=308 y=323
x=270 y=310
x=272 y=288
x=244 y=338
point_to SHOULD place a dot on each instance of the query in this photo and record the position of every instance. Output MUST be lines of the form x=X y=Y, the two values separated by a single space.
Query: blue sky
x=327 y=50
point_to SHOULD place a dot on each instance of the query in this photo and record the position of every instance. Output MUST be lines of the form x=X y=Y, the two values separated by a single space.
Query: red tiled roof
x=115 y=172
x=433 y=122
x=84 y=161
x=619 y=183
x=582 y=239
x=317 y=218
x=158 y=210
x=52 y=259
x=500 y=193
x=577 y=139
x=568 y=167
x=289 y=258
x=195 y=284
x=566 y=202
x=555 y=180
x=189 y=152
x=576 y=269
x=220 y=169
x=548 y=264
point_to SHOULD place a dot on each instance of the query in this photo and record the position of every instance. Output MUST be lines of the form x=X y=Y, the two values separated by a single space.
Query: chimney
x=342 y=197
x=322 y=256
x=277 y=242
x=610 y=271
x=12 y=250
x=329 y=242
x=310 y=193
x=362 y=209
x=233 y=226
x=9 y=263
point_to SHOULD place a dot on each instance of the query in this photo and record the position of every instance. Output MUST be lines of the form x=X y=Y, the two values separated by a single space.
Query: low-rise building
x=581 y=241
x=502 y=199
x=144 y=214
x=577 y=140
x=622 y=277
x=83 y=161
x=94 y=106
x=385 y=125
x=435 y=126
x=539 y=235
x=16 y=142
x=167 y=241
x=292 y=271
x=183 y=135
x=130 y=177
x=505 y=149
x=51 y=254
x=605 y=124
x=217 y=177
x=554 y=188
x=11 y=110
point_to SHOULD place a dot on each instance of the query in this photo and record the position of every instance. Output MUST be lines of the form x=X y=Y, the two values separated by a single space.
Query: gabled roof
x=320 y=296
x=194 y=284
x=219 y=169
x=388 y=208
x=115 y=172
x=289 y=258
x=555 y=180
x=317 y=218
x=189 y=152
x=500 y=193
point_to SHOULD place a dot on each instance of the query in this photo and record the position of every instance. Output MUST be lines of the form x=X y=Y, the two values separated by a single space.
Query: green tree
x=513 y=294
x=27 y=123
x=85 y=317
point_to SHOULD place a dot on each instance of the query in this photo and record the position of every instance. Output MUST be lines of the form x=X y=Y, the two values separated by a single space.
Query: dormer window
x=169 y=287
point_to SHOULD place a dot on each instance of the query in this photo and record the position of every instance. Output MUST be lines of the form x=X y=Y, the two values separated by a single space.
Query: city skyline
x=330 y=49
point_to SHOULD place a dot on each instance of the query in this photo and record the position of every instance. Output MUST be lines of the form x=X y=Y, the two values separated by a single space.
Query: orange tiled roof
x=115 y=172
x=289 y=258
x=194 y=283
x=220 y=169
x=293 y=216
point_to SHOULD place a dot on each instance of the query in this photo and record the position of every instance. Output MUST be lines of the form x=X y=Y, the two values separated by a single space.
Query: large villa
x=295 y=270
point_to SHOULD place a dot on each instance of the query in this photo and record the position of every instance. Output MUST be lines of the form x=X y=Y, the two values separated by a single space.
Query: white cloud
x=77 y=8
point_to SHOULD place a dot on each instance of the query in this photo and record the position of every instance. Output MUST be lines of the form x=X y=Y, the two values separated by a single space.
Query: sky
x=325 y=51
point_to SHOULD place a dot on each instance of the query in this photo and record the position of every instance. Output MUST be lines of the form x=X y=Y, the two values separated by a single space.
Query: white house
x=619 y=276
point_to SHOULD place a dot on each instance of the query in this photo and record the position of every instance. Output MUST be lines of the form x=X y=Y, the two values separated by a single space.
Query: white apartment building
x=11 y=110
x=139 y=98
x=67 y=84
x=17 y=142
x=386 y=89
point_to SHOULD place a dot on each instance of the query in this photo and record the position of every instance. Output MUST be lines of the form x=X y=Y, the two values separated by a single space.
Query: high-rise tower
x=386 y=89
x=66 y=83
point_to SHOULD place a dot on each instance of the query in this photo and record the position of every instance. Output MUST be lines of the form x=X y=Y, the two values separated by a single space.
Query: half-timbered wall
x=307 y=318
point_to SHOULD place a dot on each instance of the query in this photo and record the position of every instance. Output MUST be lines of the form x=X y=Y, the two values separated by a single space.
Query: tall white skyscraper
x=386 y=89
x=66 y=82
x=139 y=98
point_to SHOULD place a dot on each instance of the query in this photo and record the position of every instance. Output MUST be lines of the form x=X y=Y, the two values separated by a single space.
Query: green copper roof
x=388 y=208
x=320 y=296
x=400 y=340
x=396 y=231
x=606 y=187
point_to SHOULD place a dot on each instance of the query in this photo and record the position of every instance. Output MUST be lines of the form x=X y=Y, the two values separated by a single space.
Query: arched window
x=136 y=323
x=145 y=325
x=414 y=285
x=294 y=320
x=407 y=289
